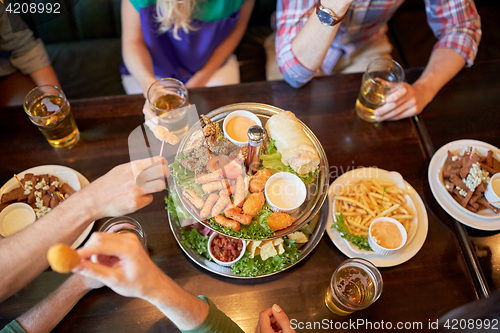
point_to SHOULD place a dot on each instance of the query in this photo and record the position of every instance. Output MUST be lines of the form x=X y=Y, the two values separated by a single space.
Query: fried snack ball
x=62 y=258
x=278 y=221
x=258 y=181
x=254 y=203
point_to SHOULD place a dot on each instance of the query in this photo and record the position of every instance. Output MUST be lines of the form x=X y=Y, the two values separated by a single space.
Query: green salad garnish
x=195 y=240
x=256 y=266
x=185 y=178
x=272 y=160
x=360 y=241
x=258 y=229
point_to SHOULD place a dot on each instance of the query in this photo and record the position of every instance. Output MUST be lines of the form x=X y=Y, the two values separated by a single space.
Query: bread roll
x=62 y=258
x=295 y=147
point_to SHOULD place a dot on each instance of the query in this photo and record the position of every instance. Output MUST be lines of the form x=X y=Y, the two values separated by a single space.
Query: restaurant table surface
x=436 y=280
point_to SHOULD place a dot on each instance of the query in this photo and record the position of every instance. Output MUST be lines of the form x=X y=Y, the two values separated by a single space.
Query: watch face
x=325 y=17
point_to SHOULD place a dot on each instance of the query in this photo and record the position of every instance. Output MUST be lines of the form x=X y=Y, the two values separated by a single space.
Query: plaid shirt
x=454 y=22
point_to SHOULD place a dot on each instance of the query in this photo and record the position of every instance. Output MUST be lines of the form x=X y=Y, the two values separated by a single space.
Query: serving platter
x=418 y=234
x=484 y=219
x=211 y=266
x=316 y=191
x=74 y=178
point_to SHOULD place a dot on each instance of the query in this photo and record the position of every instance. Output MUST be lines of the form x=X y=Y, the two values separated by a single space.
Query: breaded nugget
x=278 y=221
x=227 y=222
x=258 y=181
x=253 y=204
x=62 y=258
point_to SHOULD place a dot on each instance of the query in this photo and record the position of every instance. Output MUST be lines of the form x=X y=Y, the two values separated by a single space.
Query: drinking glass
x=50 y=111
x=382 y=77
x=168 y=99
x=125 y=224
x=355 y=285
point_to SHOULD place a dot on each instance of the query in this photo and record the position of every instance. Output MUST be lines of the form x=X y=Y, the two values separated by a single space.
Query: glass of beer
x=49 y=110
x=125 y=224
x=168 y=99
x=382 y=77
x=355 y=285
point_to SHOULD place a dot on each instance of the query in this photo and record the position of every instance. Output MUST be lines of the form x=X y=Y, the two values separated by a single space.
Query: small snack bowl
x=242 y=138
x=16 y=217
x=390 y=228
x=492 y=193
x=285 y=192
x=225 y=242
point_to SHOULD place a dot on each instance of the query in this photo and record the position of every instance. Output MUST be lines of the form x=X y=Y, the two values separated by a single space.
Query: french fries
x=368 y=199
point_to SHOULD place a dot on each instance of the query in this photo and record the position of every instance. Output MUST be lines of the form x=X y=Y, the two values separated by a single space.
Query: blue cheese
x=475 y=177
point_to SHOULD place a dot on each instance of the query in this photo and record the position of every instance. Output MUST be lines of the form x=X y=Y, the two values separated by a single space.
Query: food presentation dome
x=316 y=191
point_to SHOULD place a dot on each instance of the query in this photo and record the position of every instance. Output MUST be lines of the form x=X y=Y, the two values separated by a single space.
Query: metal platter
x=316 y=191
x=314 y=239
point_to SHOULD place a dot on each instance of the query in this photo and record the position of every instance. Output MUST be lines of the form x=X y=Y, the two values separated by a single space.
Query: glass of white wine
x=355 y=285
x=168 y=99
x=382 y=77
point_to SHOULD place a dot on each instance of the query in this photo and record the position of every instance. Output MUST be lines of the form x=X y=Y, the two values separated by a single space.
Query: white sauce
x=283 y=193
x=16 y=220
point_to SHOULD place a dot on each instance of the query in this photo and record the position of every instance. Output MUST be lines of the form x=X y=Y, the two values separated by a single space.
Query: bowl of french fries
x=366 y=195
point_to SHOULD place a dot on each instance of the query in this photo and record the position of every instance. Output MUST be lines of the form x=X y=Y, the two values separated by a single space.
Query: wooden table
x=436 y=280
x=469 y=108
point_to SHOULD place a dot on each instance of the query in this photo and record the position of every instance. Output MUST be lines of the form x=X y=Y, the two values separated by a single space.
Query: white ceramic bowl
x=382 y=250
x=239 y=113
x=299 y=191
x=490 y=195
x=223 y=263
x=9 y=224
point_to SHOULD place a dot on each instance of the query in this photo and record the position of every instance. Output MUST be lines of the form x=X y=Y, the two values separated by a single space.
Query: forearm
x=45 y=75
x=314 y=39
x=44 y=316
x=183 y=309
x=23 y=255
x=227 y=47
x=443 y=65
x=139 y=63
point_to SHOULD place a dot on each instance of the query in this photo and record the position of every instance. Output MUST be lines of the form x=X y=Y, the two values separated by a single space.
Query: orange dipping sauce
x=237 y=128
x=387 y=235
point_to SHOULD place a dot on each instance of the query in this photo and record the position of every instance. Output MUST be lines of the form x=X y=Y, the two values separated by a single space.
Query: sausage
x=194 y=198
x=221 y=203
x=227 y=222
x=239 y=196
x=209 y=177
x=209 y=203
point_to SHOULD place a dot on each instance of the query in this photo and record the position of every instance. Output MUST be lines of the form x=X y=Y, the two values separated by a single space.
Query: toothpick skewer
x=22 y=185
x=161 y=148
x=62 y=196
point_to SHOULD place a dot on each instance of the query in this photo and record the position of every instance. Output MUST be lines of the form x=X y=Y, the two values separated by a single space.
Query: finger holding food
x=62 y=258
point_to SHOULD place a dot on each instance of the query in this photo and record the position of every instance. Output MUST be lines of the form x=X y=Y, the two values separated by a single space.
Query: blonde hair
x=175 y=15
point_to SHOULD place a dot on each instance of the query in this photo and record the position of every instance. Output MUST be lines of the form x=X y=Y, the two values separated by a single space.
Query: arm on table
x=135 y=52
x=44 y=316
x=458 y=28
x=133 y=274
x=302 y=40
x=224 y=50
x=24 y=255
x=45 y=75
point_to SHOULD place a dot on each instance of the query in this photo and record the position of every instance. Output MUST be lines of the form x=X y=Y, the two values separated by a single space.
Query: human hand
x=150 y=119
x=125 y=188
x=199 y=79
x=87 y=283
x=273 y=320
x=122 y=264
x=409 y=100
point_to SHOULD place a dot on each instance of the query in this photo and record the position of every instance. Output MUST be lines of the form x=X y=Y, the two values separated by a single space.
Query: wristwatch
x=327 y=16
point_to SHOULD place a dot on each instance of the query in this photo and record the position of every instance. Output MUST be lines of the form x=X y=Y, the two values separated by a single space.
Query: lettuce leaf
x=258 y=229
x=185 y=178
x=196 y=241
x=174 y=206
x=256 y=266
x=360 y=241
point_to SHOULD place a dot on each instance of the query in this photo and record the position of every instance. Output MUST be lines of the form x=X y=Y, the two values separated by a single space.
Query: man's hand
x=130 y=273
x=126 y=188
x=408 y=101
x=273 y=320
